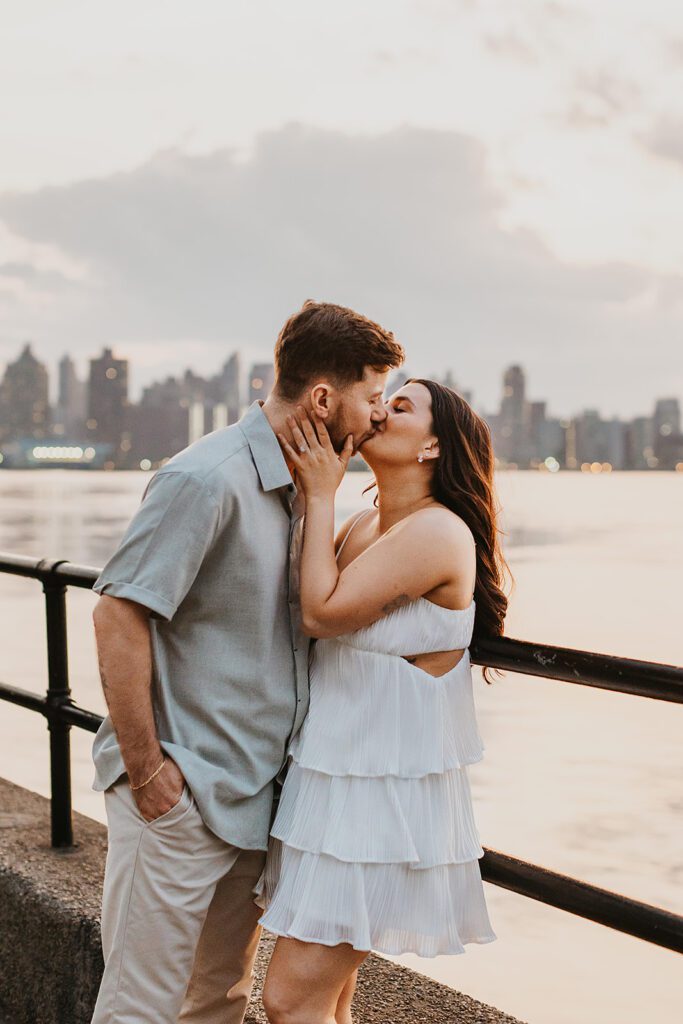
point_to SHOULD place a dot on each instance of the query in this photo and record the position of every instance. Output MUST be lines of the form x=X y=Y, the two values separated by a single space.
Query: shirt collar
x=265 y=448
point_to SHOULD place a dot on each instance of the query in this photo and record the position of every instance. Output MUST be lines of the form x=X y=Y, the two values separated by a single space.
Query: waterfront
x=579 y=780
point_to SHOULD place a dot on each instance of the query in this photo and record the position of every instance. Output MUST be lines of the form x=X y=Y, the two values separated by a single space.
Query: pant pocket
x=175 y=813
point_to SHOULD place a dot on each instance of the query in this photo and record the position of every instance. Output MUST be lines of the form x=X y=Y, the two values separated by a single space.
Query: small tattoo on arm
x=396 y=602
x=103 y=678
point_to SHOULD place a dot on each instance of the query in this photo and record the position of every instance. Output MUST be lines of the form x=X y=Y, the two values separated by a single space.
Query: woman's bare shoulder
x=347 y=525
x=437 y=521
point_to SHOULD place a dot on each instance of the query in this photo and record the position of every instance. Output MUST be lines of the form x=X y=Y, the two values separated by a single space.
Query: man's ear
x=322 y=400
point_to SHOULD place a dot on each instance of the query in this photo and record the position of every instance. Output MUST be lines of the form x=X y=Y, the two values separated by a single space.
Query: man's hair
x=325 y=340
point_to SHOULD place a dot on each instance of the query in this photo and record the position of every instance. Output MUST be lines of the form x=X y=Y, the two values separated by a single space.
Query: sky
x=496 y=181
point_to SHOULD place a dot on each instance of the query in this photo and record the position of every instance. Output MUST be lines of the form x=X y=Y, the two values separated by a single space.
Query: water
x=578 y=780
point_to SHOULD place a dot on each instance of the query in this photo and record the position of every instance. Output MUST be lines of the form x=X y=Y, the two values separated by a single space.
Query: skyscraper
x=107 y=398
x=667 y=417
x=228 y=387
x=71 y=401
x=668 y=442
x=24 y=405
x=640 y=443
x=512 y=421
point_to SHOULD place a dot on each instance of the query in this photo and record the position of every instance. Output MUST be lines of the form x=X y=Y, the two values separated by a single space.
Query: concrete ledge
x=50 y=955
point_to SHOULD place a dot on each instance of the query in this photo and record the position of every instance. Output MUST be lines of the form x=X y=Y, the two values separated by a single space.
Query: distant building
x=511 y=441
x=536 y=421
x=670 y=451
x=107 y=399
x=667 y=417
x=587 y=437
x=159 y=423
x=594 y=440
x=545 y=436
x=24 y=402
x=615 y=431
x=71 y=409
x=261 y=380
x=225 y=390
x=639 y=443
x=667 y=440
x=178 y=411
x=666 y=424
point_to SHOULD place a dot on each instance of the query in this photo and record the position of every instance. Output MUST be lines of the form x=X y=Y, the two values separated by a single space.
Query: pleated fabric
x=374 y=842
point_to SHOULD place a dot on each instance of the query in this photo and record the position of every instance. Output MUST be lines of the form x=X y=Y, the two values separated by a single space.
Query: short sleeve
x=164 y=545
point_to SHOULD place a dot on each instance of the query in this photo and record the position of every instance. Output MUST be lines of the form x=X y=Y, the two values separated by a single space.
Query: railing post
x=58 y=694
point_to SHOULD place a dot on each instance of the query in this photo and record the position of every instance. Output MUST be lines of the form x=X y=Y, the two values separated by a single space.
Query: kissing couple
x=291 y=712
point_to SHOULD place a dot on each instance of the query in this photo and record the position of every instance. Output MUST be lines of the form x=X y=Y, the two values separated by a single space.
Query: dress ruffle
x=388 y=717
x=419 y=822
x=374 y=842
x=385 y=907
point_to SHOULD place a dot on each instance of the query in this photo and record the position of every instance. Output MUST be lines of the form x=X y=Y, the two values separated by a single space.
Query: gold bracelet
x=152 y=776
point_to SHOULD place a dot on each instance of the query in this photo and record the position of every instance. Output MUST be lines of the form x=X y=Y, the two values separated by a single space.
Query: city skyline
x=80 y=367
x=94 y=423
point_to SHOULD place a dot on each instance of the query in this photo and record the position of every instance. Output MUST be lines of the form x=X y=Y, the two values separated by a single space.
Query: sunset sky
x=497 y=181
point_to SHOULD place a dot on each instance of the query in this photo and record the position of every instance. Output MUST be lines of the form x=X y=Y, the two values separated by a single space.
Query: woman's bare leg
x=343 y=1012
x=306 y=981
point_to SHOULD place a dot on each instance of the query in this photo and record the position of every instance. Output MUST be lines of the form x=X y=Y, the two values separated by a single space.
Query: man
x=205 y=672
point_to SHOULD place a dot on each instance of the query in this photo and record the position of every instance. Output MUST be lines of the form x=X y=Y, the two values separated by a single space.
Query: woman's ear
x=431 y=450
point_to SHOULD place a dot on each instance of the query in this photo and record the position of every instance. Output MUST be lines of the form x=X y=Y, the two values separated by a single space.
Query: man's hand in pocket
x=162 y=793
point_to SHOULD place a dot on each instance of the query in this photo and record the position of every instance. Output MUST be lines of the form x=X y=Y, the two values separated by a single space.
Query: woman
x=374 y=844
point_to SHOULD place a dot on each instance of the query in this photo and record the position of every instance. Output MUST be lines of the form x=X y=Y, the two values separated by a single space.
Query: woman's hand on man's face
x=319 y=468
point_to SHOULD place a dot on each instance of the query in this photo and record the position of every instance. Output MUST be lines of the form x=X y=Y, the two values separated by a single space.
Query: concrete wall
x=50 y=955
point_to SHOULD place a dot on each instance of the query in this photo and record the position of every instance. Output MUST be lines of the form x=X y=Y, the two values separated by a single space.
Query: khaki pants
x=179 y=925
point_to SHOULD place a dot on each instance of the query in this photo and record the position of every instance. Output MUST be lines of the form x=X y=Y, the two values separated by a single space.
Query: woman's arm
x=425 y=550
x=420 y=553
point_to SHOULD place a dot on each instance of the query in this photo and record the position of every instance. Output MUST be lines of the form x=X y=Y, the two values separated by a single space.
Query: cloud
x=614 y=93
x=409 y=59
x=404 y=226
x=665 y=138
x=511 y=44
x=599 y=97
x=673 y=49
x=33 y=276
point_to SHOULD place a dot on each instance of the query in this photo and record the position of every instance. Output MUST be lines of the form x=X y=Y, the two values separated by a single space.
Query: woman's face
x=407 y=431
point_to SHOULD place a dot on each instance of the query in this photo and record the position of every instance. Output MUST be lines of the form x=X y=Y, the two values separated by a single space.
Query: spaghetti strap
x=348 y=532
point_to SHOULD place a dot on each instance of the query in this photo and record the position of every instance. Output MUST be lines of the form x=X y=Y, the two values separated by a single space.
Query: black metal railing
x=624 y=675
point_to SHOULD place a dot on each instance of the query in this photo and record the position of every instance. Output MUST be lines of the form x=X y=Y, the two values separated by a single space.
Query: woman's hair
x=463 y=482
x=323 y=339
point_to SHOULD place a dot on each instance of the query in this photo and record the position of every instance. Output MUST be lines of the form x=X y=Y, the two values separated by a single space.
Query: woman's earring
x=420 y=458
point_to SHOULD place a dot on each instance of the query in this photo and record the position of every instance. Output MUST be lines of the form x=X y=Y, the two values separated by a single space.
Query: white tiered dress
x=374 y=842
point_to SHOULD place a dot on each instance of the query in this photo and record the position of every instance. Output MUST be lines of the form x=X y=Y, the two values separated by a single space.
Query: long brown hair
x=463 y=482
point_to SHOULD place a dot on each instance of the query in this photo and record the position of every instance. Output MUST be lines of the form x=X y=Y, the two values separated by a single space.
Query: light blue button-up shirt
x=212 y=552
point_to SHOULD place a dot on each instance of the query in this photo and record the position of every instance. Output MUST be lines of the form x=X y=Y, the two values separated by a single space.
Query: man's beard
x=339 y=431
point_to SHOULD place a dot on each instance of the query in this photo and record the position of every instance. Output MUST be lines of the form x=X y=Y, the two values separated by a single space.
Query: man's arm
x=124 y=654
